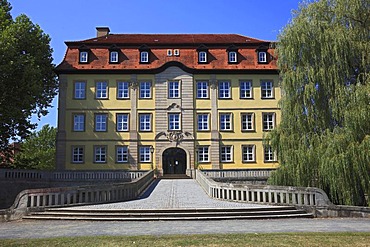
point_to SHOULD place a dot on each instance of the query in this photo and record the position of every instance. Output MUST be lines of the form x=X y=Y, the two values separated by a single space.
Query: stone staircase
x=169 y=214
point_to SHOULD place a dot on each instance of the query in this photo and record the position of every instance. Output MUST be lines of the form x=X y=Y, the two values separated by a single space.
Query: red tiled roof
x=161 y=39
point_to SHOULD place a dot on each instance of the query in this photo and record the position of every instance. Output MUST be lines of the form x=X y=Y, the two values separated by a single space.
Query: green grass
x=260 y=240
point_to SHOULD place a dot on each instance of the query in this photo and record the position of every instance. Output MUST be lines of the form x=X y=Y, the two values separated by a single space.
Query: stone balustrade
x=259 y=173
x=38 y=199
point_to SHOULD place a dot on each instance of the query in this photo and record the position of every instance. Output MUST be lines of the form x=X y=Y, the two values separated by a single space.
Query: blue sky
x=69 y=20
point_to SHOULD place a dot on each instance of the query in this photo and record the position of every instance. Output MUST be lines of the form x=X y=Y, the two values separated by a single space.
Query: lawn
x=260 y=240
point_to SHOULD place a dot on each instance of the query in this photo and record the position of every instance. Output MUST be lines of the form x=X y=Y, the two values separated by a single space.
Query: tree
x=38 y=150
x=323 y=139
x=27 y=81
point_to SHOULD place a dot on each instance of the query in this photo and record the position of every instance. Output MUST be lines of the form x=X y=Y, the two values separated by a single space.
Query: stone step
x=175 y=176
x=168 y=214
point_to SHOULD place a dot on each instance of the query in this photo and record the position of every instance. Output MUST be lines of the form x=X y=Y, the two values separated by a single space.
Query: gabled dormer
x=144 y=54
x=232 y=54
x=84 y=54
x=114 y=54
x=262 y=54
x=202 y=54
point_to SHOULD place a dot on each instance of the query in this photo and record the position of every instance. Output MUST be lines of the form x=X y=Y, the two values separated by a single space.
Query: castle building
x=172 y=102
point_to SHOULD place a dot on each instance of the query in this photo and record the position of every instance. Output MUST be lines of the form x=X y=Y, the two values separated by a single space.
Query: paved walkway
x=174 y=193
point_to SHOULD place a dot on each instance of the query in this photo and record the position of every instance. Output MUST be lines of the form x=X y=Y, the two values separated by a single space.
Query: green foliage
x=38 y=150
x=323 y=139
x=27 y=81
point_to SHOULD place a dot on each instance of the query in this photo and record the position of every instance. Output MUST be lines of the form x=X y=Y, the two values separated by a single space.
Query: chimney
x=102 y=31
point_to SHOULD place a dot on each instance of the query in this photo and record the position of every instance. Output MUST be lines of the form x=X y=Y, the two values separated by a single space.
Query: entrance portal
x=174 y=161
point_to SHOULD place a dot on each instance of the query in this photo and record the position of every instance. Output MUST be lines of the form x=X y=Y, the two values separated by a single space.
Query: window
x=203 y=122
x=225 y=121
x=79 y=122
x=203 y=154
x=268 y=121
x=176 y=52
x=84 y=56
x=269 y=154
x=202 y=57
x=113 y=57
x=247 y=121
x=145 y=122
x=169 y=52
x=202 y=89
x=101 y=90
x=245 y=89
x=122 y=90
x=224 y=91
x=77 y=154
x=262 y=57
x=267 y=90
x=121 y=154
x=101 y=122
x=248 y=153
x=122 y=122
x=145 y=154
x=174 y=121
x=174 y=89
x=100 y=154
x=145 y=90
x=226 y=154
x=144 y=57
x=79 y=90
x=233 y=57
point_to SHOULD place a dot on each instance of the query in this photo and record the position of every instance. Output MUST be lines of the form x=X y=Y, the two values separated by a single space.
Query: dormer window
x=262 y=57
x=113 y=58
x=84 y=54
x=144 y=57
x=203 y=57
x=232 y=57
x=202 y=54
x=262 y=54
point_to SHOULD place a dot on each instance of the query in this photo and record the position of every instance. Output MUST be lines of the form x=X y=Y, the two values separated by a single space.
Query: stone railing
x=38 y=199
x=260 y=173
x=311 y=199
x=80 y=176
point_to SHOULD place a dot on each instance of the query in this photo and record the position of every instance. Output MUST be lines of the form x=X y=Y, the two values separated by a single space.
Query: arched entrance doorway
x=174 y=161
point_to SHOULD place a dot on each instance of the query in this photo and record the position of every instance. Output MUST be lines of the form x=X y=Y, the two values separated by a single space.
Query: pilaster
x=61 y=134
x=215 y=134
x=133 y=149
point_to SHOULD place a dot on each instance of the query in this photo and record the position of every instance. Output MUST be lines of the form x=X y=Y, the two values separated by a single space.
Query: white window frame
x=122 y=122
x=262 y=57
x=113 y=57
x=77 y=157
x=101 y=122
x=121 y=154
x=145 y=88
x=84 y=56
x=78 y=122
x=145 y=122
x=247 y=121
x=79 y=90
x=145 y=154
x=203 y=154
x=249 y=153
x=203 y=121
x=233 y=57
x=268 y=121
x=226 y=121
x=144 y=57
x=226 y=153
x=174 y=90
x=202 y=90
x=123 y=90
x=174 y=121
x=202 y=57
x=269 y=154
x=267 y=90
x=101 y=90
x=100 y=154
x=224 y=90
x=246 y=89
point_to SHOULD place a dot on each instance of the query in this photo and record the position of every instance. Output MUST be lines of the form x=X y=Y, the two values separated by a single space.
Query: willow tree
x=323 y=139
